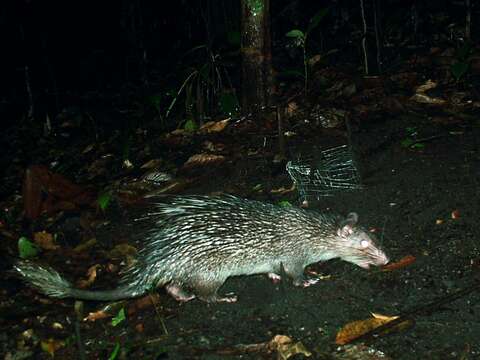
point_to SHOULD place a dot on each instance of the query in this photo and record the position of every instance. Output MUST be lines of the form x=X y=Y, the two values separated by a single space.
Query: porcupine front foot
x=296 y=272
x=274 y=277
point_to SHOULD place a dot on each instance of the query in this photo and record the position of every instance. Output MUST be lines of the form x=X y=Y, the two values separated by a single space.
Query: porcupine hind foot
x=178 y=293
x=207 y=290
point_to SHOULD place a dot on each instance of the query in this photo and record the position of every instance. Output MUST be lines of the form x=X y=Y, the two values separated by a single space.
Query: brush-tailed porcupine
x=192 y=244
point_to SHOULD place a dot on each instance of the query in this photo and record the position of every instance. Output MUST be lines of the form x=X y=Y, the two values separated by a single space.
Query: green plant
x=411 y=140
x=104 y=200
x=27 y=249
x=115 y=352
x=462 y=61
x=120 y=317
x=204 y=86
x=301 y=38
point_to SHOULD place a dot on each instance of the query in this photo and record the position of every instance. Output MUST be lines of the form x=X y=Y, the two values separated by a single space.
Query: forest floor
x=423 y=201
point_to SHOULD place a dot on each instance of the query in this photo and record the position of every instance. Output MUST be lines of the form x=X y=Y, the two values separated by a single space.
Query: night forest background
x=105 y=102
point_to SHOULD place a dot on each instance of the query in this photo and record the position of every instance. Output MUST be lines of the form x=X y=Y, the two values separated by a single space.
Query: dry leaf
x=97 y=315
x=427 y=86
x=455 y=214
x=139 y=328
x=50 y=346
x=286 y=348
x=203 y=159
x=360 y=352
x=214 y=126
x=45 y=240
x=405 y=261
x=356 y=329
x=425 y=99
x=91 y=276
x=152 y=164
x=85 y=245
x=283 y=190
x=88 y=148
x=213 y=147
x=122 y=251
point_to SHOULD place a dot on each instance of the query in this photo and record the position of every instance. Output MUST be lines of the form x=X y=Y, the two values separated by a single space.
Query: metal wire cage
x=333 y=170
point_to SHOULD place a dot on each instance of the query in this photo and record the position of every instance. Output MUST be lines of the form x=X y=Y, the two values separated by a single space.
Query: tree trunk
x=256 y=55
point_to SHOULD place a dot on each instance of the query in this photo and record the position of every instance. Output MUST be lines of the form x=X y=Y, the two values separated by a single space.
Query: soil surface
x=409 y=197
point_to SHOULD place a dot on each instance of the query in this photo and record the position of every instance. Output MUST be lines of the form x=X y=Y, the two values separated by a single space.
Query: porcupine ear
x=347 y=225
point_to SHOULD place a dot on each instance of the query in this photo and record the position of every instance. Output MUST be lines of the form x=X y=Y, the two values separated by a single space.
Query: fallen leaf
x=427 y=86
x=91 y=276
x=50 y=346
x=139 y=328
x=403 y=262
x=355 y=329
x=286 y=348
x=214 y=126
x=455 y=214
x=360 y=352
x=282 y=190
x=45 y=191
x=152 y=164
x=85 y=245
x=88 y=148
x=97 y=315
x=203 y=159
x=122 y=251
x=45 y=240
x=425 y=99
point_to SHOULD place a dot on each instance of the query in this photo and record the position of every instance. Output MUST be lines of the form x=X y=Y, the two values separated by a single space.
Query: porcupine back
x=192 y=244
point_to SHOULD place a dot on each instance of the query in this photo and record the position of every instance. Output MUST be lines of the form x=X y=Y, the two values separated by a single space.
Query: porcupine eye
x=364 y=244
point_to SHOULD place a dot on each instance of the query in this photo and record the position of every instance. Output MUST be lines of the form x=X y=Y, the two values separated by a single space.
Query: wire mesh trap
x=332 y=171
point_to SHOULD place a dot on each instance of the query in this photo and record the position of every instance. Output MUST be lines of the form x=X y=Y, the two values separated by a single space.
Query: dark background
x=73 y=47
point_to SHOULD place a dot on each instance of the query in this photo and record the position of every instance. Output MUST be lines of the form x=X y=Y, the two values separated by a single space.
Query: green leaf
x=255 y=6
x=285 y=203
x=229 y=103
x=418 y=146
x=407 y=142
x=295 y=34
x=115 y=351
x=190 y=125
x=459 y=69
x=257 y=187
x=316 y=19
x=26 y=249
x=119 y=318
x=103 y=200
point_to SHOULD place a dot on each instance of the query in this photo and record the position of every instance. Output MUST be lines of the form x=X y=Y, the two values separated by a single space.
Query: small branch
x=364 y=39
x=419 y=310
x=29 y=93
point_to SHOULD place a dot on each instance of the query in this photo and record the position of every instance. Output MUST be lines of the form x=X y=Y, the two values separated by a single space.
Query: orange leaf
x=52 y=345
x=403 y=262
x=45 y=240
x=94 y=316
x=455 y=214
x=356 y=329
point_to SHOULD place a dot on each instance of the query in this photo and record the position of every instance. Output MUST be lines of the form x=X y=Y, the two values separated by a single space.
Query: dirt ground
x=409 y=196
